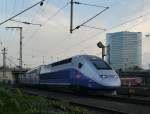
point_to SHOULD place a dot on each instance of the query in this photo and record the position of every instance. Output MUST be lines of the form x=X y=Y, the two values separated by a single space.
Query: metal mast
x=4 y=62
x=20 y=54
x=71 y=16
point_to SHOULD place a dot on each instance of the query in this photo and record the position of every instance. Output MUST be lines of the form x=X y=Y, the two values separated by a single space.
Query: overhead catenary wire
x=11 y=61
x=77 y=27
x=24 y=22
x=33 y=18
x=113 y=27
x=143 y=21
x=96 y=34
x=14 y=9
x=131 y=27
x=48 y=19
x=41 y=3
x=94 y=16
x=130 y=20
x=99 y=33
x=94 y=27
x=32 y=36
x=92 y=5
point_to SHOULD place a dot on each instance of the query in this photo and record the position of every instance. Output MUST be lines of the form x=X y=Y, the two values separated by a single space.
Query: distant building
x=8 y=78
x=124 y=49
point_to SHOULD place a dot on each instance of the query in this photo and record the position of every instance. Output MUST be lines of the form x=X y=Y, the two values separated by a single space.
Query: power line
x=57 y=12
x=48 y=19
x=91 y=18
x=121 y=24
x=11 y=61
x=93 y=36
x=24 y=22
x=130 y=20
x=41 y=3
x=94 y=27
x=141 y=16
x=71 y=15
x=93 y=5
x=33 y=18
x=77 y=44
x=143 y=21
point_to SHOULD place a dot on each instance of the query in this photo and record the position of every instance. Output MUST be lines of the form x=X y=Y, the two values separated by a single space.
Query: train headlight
x=103 y=76
x=115 y=76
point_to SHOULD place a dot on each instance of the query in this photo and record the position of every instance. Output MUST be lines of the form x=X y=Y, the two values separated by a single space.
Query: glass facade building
x=124 y=49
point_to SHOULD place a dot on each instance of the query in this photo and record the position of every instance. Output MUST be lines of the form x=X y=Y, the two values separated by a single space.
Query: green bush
x=13 y=101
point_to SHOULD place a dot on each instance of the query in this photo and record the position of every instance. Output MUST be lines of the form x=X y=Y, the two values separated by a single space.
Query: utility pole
x=43 y=60
x=4 y=62
x=71 y=16
x=21 y=37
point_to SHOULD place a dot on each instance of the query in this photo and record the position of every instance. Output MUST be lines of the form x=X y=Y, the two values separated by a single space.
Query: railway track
x=124 y=98
x=110 y=104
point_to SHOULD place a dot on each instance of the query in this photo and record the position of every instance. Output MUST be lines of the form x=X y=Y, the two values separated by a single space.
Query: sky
x=52 y=41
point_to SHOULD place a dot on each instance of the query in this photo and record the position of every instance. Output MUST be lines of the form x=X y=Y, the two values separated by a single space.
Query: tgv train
x=84 y=72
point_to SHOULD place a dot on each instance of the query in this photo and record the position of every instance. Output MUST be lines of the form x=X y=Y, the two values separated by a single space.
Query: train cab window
x=99 y=64
x=80 y=65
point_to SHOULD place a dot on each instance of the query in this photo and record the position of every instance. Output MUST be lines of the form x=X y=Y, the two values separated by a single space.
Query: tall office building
x=124 y=49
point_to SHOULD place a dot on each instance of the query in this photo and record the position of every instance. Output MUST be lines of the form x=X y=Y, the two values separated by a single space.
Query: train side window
x=80 y=65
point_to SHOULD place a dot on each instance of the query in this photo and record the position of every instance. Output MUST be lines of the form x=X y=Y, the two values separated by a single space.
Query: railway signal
x=100 y=45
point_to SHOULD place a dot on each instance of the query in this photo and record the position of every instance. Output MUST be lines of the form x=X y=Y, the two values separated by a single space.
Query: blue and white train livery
x=85 y=71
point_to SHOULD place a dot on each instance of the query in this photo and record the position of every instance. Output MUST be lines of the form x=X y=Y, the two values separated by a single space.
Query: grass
x=13 y=101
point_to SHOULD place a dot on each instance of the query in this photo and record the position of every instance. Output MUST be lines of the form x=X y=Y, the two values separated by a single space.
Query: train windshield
x=99 y=64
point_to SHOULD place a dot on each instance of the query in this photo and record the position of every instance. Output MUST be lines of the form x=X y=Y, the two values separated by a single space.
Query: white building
x=124 y=49
x=8 y=78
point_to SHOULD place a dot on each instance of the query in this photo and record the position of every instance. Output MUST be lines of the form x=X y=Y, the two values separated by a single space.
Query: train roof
x=70 y=58
x=38 y=67
x=67 y=60
x=86 y=55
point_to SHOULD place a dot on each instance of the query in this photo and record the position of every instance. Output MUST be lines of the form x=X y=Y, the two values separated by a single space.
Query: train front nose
x=109 y=78
x=112 y=81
